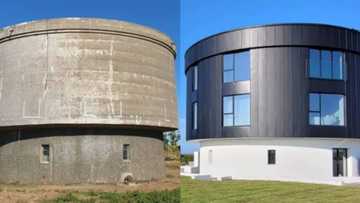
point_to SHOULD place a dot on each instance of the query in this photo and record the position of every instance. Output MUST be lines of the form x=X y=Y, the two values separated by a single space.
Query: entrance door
x=339 y=162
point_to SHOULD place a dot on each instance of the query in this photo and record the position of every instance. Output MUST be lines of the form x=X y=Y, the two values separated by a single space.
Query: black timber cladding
x=279 y=83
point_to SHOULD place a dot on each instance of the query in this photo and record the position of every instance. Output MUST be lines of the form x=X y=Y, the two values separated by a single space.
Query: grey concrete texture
x=78 y=158
x=86 y=71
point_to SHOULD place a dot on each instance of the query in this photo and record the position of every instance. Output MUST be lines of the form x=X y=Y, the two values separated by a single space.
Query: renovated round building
x=84 y=101
x=276 y=102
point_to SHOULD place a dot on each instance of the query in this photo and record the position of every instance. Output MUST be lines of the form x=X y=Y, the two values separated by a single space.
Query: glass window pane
x=314 y=61
x=195 y=81
x=326 y=64
x=242 y=110
x=228 y=61
x=195 y=115
x=228 y=120
x=332 y=109
x=338 y=63
x=314 y=102
x=314 y=118
x=228 y=104
x=228 y=76
x=242 y=66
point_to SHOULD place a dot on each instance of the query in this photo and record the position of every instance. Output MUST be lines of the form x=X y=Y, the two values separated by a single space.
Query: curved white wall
x=297 y=159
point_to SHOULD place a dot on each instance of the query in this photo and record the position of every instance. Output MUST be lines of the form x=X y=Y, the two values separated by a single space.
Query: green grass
x=186 y=158
x=196 y=191
x=110 y=197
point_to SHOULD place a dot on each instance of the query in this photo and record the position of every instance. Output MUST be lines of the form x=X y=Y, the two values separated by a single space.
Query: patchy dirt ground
x=38 y=193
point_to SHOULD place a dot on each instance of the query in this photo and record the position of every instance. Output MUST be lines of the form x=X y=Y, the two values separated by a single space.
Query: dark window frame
x=233 y=110
x=234 y=66
x=319 y=112
x=313 y=111
x=271 y=155
x=344 y=64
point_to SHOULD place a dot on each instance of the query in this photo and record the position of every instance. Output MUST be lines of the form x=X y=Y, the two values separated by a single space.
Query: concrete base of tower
x=71 y=155
x=313 y=160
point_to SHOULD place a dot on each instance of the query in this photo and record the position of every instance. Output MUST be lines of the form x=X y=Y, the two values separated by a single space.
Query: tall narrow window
x=339 y=162
x=236 y=67
x=314 y=109
x=126 y=152
x=236 y=110
x=195 y=116
x=195 y=78
x=326 y=64
x=314 y=63
x=326 y=109
x=271 y=156
x=338 y=62
x=326 y=69
x=45 y=153
x=228 y=111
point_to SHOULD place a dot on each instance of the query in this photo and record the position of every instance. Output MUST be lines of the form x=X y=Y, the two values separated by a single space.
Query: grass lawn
x=113 y=197
x=195 y=191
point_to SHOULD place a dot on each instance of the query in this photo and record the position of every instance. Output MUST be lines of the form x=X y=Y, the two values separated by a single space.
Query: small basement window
x=271 y=156
x=126 y=152
x=45 y=153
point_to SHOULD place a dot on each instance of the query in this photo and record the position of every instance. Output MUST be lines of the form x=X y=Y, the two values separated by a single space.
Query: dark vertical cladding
x=279 y=84
x=279 y=92
x=210 y=108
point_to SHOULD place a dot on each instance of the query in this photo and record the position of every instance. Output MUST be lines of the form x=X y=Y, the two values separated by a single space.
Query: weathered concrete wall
x=79 y=155
x=73 y=84
x=87 y=71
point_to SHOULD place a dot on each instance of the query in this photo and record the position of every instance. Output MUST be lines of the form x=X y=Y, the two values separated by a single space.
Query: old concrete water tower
x=84 y=100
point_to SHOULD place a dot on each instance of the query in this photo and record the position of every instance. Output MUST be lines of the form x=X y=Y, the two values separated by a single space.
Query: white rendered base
x=297 y=159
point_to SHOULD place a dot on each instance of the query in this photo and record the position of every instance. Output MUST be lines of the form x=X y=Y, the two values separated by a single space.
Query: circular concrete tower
x=84 y=101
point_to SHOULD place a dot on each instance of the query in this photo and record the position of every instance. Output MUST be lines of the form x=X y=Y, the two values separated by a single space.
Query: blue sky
x=202 y=18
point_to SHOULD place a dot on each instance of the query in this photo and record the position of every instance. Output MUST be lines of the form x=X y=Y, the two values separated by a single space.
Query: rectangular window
x=195 y=78
x=126 y=152
x=236 y=110
x=326 y=64
x=339 y=162
x=236 y=67
x=326 y=109
x=195 y=115
x=271 y=156
x=45 y=153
